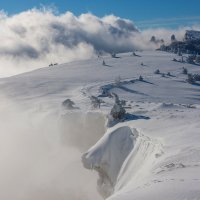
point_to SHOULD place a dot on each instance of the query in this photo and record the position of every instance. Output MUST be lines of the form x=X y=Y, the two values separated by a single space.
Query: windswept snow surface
x=108 y=155
x=154 y=154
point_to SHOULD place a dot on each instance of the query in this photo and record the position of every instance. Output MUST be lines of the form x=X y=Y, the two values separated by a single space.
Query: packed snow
x=48 y=151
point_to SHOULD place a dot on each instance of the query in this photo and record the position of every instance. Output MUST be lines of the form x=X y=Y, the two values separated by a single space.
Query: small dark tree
x=163 y=47
x=153 y=39
x=96 y=102
x=173 y=38
x=117 y=111
x=113 y=55
x=185 y=71
x=141 y=78
x=68 y=104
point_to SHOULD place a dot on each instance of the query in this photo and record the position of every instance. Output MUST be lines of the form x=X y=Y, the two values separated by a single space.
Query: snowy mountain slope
x=165 y=158
x=59 y=80
x=172 y=171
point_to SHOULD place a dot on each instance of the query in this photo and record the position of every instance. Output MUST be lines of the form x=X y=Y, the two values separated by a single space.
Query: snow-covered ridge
x=108 y=155
x=158 y=144
x=120 y=157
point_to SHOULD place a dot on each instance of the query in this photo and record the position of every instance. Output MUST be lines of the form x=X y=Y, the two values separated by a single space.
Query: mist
x=41 y=154
x=38 y=37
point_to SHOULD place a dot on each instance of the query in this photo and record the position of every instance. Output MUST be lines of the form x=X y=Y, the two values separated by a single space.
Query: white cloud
x=35 y=38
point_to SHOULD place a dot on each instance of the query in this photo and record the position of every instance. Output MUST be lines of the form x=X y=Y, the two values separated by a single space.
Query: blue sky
x=145 y=13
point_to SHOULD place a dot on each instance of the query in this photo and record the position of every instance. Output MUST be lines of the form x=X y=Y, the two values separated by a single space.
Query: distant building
x=191 y=35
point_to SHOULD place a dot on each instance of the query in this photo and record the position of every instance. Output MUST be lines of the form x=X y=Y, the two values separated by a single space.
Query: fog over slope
x=37 y=37
x=36 y=160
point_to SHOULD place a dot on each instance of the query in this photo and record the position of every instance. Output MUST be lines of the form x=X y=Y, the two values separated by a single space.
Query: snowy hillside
x=152 y=154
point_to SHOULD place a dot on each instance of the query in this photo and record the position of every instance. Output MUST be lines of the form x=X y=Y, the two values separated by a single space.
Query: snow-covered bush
x=117 y=111
x=185 y=71
x=141 y=78
x=168 y=74
x=134 y=54
x=190 y=79
x=197 y=60
x=196 y=77
x=105 y=91
x=173 y=38
x=157 y=71
x=96 y=102
x=68 y=104
x=52 y=64
x=191 y=59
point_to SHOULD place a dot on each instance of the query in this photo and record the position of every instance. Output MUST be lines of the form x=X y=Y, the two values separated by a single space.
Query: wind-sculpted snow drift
x=118 y=157
x=108 y=155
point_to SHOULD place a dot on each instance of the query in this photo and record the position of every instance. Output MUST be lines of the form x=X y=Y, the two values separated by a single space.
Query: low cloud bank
x=36 y=163
x=36 y=38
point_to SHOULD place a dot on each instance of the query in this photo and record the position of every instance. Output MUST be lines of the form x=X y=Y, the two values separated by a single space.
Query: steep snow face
x=139 y=161
x=120 y=157
x=108 y=155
